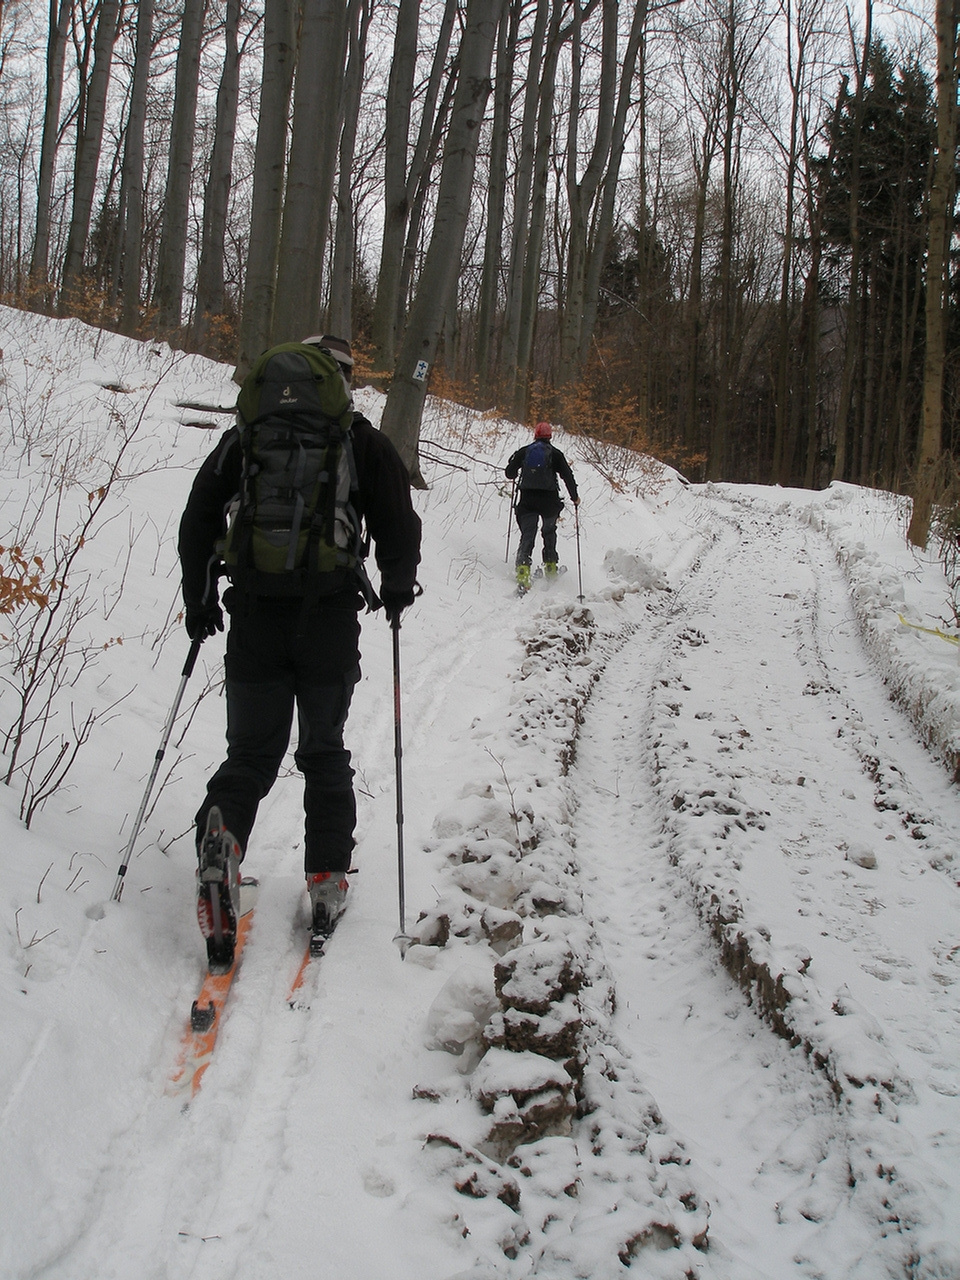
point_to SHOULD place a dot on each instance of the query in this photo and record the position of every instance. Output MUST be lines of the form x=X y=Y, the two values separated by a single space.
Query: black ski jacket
x=382 y=500
x=543 y=500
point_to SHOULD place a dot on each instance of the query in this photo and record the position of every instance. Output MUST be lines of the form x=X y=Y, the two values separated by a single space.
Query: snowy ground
x=684 y=852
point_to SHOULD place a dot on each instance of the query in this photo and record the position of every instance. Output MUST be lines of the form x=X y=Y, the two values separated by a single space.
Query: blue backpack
x=536 y=470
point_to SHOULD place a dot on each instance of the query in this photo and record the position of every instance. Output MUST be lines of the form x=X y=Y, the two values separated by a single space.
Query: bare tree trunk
x=340 y=311
x=168 y=290
x=582 y=193
x=496 y=203
x=799 y=30
x=719 y=432
x=743 y=34
x=435 y=290
x=896 y=460
x=56 y=56
x=600 y=240
x=132 y=182
x=314 y=141
x=523 y=290
x=260 y=281
x=851 y=355
x=538 y=83
x=211 y=291
x=395 y=194
x=811 y=311
x=402 y=182
x=703 y=161
x=940 y=234
x=421 y=191
x=89 y=140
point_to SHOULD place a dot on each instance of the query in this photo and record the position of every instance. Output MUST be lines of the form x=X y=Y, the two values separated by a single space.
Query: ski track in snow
x=790 y=781
x=237 y=1143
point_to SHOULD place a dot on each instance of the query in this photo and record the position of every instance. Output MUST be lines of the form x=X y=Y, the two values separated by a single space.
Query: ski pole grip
x=192 y=656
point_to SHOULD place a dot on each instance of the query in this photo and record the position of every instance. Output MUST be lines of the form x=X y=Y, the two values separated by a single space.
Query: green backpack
x=293 y=530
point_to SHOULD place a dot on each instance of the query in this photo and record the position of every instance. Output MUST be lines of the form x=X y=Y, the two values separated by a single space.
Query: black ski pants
x=282 y=658
x=528 y=518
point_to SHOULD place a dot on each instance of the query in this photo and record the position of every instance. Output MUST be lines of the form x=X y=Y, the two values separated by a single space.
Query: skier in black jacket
x=538 y=466
x=283 y=653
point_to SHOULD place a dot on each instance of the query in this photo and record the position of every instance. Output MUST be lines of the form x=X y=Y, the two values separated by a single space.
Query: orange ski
x=200 y=1033
x=315 y=947
x=317 y=939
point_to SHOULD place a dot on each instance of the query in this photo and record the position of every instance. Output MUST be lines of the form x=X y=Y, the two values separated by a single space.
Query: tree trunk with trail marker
x=435 y=290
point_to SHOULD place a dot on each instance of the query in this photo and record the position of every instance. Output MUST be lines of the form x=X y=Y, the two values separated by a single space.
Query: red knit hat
x=542 y=431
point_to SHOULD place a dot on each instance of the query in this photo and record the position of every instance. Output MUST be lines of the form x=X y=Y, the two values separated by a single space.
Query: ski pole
x=167 y=730
x=513 y=494
x=402 y=939
x=576 y=522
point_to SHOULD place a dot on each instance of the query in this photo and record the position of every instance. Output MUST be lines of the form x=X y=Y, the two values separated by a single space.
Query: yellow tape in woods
x=929 y=631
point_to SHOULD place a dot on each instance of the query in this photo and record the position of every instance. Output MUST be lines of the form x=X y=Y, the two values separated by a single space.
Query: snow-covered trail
x=689 y=822
x=743 y=779
x=750 y=781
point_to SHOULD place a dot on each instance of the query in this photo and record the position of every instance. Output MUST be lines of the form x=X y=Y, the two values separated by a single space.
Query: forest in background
x=717 y=230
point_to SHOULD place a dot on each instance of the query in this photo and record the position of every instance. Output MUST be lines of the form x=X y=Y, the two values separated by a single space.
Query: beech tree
x=853 y=309
x=605 y=205
x=17 y=156
x=61 y=15
x=309 y=182
x=340 y=310
x=211 y=301
x=168 y=289
x=530 y=196
x=582 y=188
x=405 y=167
x=496 y=201
x=131 y=193
x=939 y=237
x=260 y=281
x=91 y=117
x=742 y=27
x=436 y=287
x=801 y=23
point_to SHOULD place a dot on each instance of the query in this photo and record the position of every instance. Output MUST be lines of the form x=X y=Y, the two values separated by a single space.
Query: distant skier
x=537 y=468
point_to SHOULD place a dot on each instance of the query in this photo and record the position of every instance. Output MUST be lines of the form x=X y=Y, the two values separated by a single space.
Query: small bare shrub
x=70 y=473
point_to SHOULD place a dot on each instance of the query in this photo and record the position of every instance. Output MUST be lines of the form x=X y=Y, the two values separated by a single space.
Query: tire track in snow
x=757 y=1122
x=775 y=757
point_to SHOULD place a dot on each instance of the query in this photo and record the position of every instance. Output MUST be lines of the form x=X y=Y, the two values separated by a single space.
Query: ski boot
x=218 y=892
x=550 y=568
x=523 y=579
x=328 y=894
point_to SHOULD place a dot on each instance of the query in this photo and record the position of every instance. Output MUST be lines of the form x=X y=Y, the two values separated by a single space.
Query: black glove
x=394 y=603
x=203 y=620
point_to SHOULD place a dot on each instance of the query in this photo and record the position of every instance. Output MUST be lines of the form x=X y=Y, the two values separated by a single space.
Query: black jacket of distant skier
x=544 y=501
